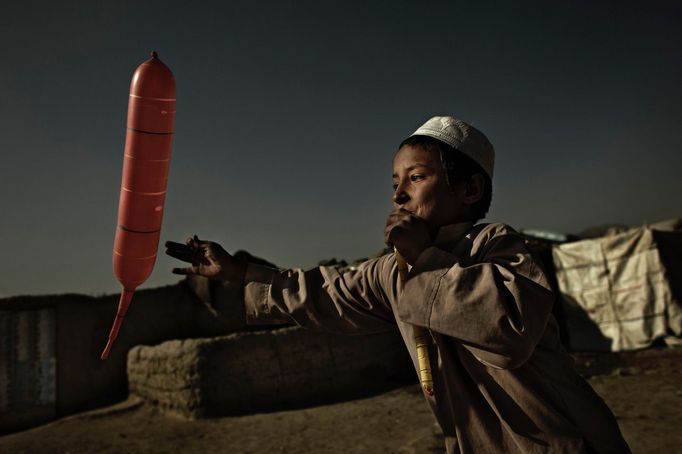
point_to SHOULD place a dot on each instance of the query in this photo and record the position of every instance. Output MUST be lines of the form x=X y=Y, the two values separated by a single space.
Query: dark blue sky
x=289 y=114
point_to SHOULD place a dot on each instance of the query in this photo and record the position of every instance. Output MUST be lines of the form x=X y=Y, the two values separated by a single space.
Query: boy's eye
x=416 y=177
x=395 y=186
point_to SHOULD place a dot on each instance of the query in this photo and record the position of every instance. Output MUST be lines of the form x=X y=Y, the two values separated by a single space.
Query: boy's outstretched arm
x=354 y=301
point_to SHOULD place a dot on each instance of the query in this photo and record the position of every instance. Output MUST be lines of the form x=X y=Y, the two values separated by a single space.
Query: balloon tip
x=105 y=353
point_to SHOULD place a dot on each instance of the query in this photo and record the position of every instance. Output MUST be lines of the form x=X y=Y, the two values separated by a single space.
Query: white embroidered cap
x=462 y=137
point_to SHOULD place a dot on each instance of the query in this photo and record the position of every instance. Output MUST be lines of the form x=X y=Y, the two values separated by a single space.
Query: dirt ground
x=644 y=390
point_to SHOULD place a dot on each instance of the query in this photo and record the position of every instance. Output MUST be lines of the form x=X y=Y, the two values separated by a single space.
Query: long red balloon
x=151 y=123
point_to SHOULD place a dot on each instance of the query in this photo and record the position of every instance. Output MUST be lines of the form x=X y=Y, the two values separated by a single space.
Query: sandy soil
x=644 y=390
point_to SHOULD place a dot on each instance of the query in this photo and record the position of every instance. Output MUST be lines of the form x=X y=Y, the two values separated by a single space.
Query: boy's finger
x=186 y=271
x=185 y=256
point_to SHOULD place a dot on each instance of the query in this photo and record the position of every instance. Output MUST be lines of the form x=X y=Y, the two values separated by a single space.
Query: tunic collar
x=448 y=235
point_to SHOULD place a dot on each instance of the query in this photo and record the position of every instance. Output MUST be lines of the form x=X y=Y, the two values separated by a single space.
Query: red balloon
x=146 y=159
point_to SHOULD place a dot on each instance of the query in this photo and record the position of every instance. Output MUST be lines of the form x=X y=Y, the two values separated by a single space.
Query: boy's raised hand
x=408 y=233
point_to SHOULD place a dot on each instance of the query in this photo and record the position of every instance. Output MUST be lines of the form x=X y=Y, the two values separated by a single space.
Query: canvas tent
x=621 y=291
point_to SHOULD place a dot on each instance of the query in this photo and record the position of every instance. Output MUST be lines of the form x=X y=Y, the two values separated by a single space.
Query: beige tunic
x=502 y=381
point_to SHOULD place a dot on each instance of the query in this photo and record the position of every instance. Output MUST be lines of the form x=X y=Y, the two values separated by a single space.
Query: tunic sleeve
x=497 y=306
x=356 y=301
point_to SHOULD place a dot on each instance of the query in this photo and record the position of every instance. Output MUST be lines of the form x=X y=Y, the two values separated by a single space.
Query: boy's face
x=420 y=187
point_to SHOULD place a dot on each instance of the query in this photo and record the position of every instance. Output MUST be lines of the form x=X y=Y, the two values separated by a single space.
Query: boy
x=501 y=379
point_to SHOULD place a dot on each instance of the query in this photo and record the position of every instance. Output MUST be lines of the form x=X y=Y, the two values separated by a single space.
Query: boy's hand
x=208 y=259
x=408 y=233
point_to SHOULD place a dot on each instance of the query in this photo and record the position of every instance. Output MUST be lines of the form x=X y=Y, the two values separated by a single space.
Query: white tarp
x=618 y=292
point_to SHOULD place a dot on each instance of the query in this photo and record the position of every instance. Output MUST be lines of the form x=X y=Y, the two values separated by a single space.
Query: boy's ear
x=474 y=189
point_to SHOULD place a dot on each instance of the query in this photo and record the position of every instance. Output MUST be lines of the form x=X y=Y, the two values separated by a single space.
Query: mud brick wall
x=74 y=378
x=27 y=367
x=266 y=370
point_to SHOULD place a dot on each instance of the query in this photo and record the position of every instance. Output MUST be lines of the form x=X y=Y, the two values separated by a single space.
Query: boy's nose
x=400 y=198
